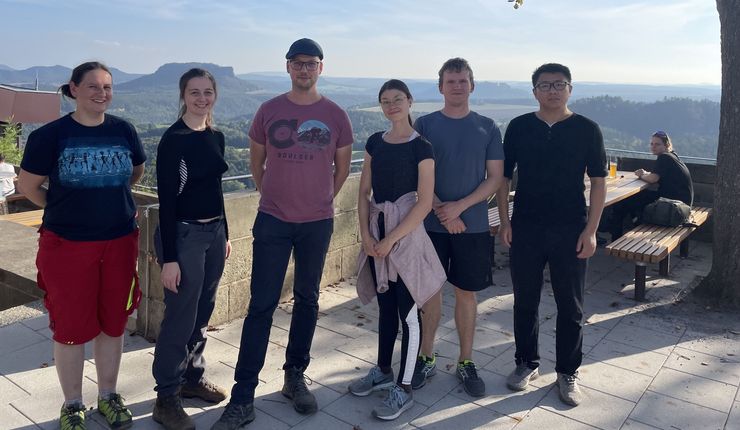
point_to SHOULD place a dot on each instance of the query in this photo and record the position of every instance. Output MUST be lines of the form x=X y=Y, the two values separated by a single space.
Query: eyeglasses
x=660 y=133
x=395 y=102
x=547 y=86
x=311 y=66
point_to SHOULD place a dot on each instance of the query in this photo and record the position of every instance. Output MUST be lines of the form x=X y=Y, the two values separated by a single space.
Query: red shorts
x=90 y=286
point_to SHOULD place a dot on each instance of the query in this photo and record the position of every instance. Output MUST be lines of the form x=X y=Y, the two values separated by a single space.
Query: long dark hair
x=78 y=74
x=396 y=84
x=184 y=79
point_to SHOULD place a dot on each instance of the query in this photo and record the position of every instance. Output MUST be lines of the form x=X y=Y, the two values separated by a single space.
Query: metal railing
x=640 y=154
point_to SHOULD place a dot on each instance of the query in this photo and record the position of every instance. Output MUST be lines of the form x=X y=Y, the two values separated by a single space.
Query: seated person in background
x=7 y=175
x=671 y=175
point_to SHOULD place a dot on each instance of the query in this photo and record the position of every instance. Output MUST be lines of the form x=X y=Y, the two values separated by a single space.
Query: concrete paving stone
x=337 y=370
x=547 y=374
x=269 y=400
x=704 y=365
x=346 y=288
x=455 y=413
x=719 y=344
x=9 y=391
x=733 y=420
x=628 y=357
x=274 y=360
x=694 y=389
x=592 y=333
x=357 y=411
x=12 y=419
x=43 y=406
x=366 y=348
x=487 y=341
x=503 y=363
x=504 y=302
x=539 y=418
x=37 y=323
x=230 y=333
x=636 y=425
x=448 y=353
x=613 y=380
x=598 y=409
x=326 y=341
x=17 y=336
x=500 y=399
x=497 y=320
x=349 y=323
x=436 y=388
x=654 y=322
x=670 y=413
x=647 y=339
x=134 y=342
x=329 y=300
x=135 y=375
x=262 y=421
x=322 y=420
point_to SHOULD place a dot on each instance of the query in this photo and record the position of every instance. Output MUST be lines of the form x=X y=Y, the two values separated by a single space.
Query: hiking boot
x=395 y=404
x=204 y=390
x=296 y=390
x=72 y=417
x=425 y=368
x=472 y=383
x=375 y=380
x=568 y=389
x=519 y=378
x=235 y=416
x=115 y=412
x=169 y=413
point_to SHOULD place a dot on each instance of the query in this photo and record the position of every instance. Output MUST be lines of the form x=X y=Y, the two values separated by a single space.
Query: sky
x=619 y=41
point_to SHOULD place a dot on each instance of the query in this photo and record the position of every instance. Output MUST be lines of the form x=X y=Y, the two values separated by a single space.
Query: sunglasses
x=660 y=133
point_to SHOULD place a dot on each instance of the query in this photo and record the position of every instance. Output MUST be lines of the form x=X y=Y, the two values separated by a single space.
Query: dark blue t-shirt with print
x=89 y=169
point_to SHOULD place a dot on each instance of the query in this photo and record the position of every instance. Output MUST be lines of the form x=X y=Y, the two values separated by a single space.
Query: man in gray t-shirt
x=469 y=169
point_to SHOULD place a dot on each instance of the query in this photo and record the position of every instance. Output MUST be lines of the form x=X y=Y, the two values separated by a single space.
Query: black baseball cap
x=305 y=46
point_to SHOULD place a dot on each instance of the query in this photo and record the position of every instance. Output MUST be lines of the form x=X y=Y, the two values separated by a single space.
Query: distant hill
x=51 y=77
x=168 y=75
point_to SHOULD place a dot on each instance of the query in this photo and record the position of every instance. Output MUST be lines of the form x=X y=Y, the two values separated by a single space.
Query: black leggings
x=394 y=304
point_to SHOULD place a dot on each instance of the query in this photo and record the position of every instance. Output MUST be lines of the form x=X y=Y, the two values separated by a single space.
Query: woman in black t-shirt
x=399 y=172
x=88 y=242
x=192 y=245
x=671 y=175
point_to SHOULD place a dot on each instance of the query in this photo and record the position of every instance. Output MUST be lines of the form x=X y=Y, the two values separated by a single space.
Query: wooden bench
x=29 y=218
x=648 y=243
x=494 y=222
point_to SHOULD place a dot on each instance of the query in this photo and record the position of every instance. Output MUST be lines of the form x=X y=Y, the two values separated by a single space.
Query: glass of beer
x=612 y=167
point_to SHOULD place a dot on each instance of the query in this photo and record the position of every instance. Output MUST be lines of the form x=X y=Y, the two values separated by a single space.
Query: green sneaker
x=115 y=412
x=72 y=418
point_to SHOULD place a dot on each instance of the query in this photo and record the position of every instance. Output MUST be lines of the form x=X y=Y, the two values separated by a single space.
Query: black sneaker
x=425 y=368
x=235 y=416
x=296 y=390
x=472 y=383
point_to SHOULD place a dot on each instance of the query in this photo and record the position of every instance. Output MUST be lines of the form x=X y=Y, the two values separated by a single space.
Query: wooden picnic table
x=624 y=185
x=28 y=218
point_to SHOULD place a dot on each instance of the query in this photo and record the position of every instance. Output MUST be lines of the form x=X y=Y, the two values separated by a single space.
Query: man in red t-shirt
x=294 y=140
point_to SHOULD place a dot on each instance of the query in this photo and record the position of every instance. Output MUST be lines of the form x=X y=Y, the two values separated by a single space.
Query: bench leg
x=665 y=265
x=640 y=282
x=683 y=249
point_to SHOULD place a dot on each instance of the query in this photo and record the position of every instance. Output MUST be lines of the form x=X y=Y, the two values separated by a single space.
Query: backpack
x=666 y=212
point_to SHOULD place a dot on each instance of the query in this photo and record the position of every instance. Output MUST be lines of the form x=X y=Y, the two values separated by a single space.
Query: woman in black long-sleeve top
x=192 y=246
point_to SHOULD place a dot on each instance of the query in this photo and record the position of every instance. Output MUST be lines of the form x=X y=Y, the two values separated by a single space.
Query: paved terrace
x=655 y=365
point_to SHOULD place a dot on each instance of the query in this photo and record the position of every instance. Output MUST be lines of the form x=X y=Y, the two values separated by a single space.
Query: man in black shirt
x=551 y=149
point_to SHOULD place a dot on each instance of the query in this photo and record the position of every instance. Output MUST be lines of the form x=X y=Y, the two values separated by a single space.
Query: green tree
x=9 y=143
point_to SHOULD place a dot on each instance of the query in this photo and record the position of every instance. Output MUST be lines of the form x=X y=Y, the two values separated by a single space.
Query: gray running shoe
x=424 y=369
x=519 y=378
x=395 y=404
x=568 y=389
x=375 y=380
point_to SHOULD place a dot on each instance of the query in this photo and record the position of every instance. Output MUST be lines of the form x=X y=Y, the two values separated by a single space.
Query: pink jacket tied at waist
x=413 y=258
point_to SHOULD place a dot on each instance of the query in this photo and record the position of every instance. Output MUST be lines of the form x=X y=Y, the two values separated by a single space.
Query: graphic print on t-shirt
x=90 y=163
x=310 y=136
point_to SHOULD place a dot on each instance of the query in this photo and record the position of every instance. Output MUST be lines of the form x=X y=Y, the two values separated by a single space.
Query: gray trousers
x=178 y=356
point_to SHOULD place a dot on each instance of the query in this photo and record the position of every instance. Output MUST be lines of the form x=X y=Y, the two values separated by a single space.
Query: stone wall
x=233 y=293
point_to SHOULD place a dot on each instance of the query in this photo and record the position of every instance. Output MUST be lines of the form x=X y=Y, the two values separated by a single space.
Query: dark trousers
x=273 y=242
x=395 y=304
x=532 y=247
x=178 y=355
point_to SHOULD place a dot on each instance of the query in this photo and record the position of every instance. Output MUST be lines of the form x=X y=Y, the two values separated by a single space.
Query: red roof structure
x=25 y=105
